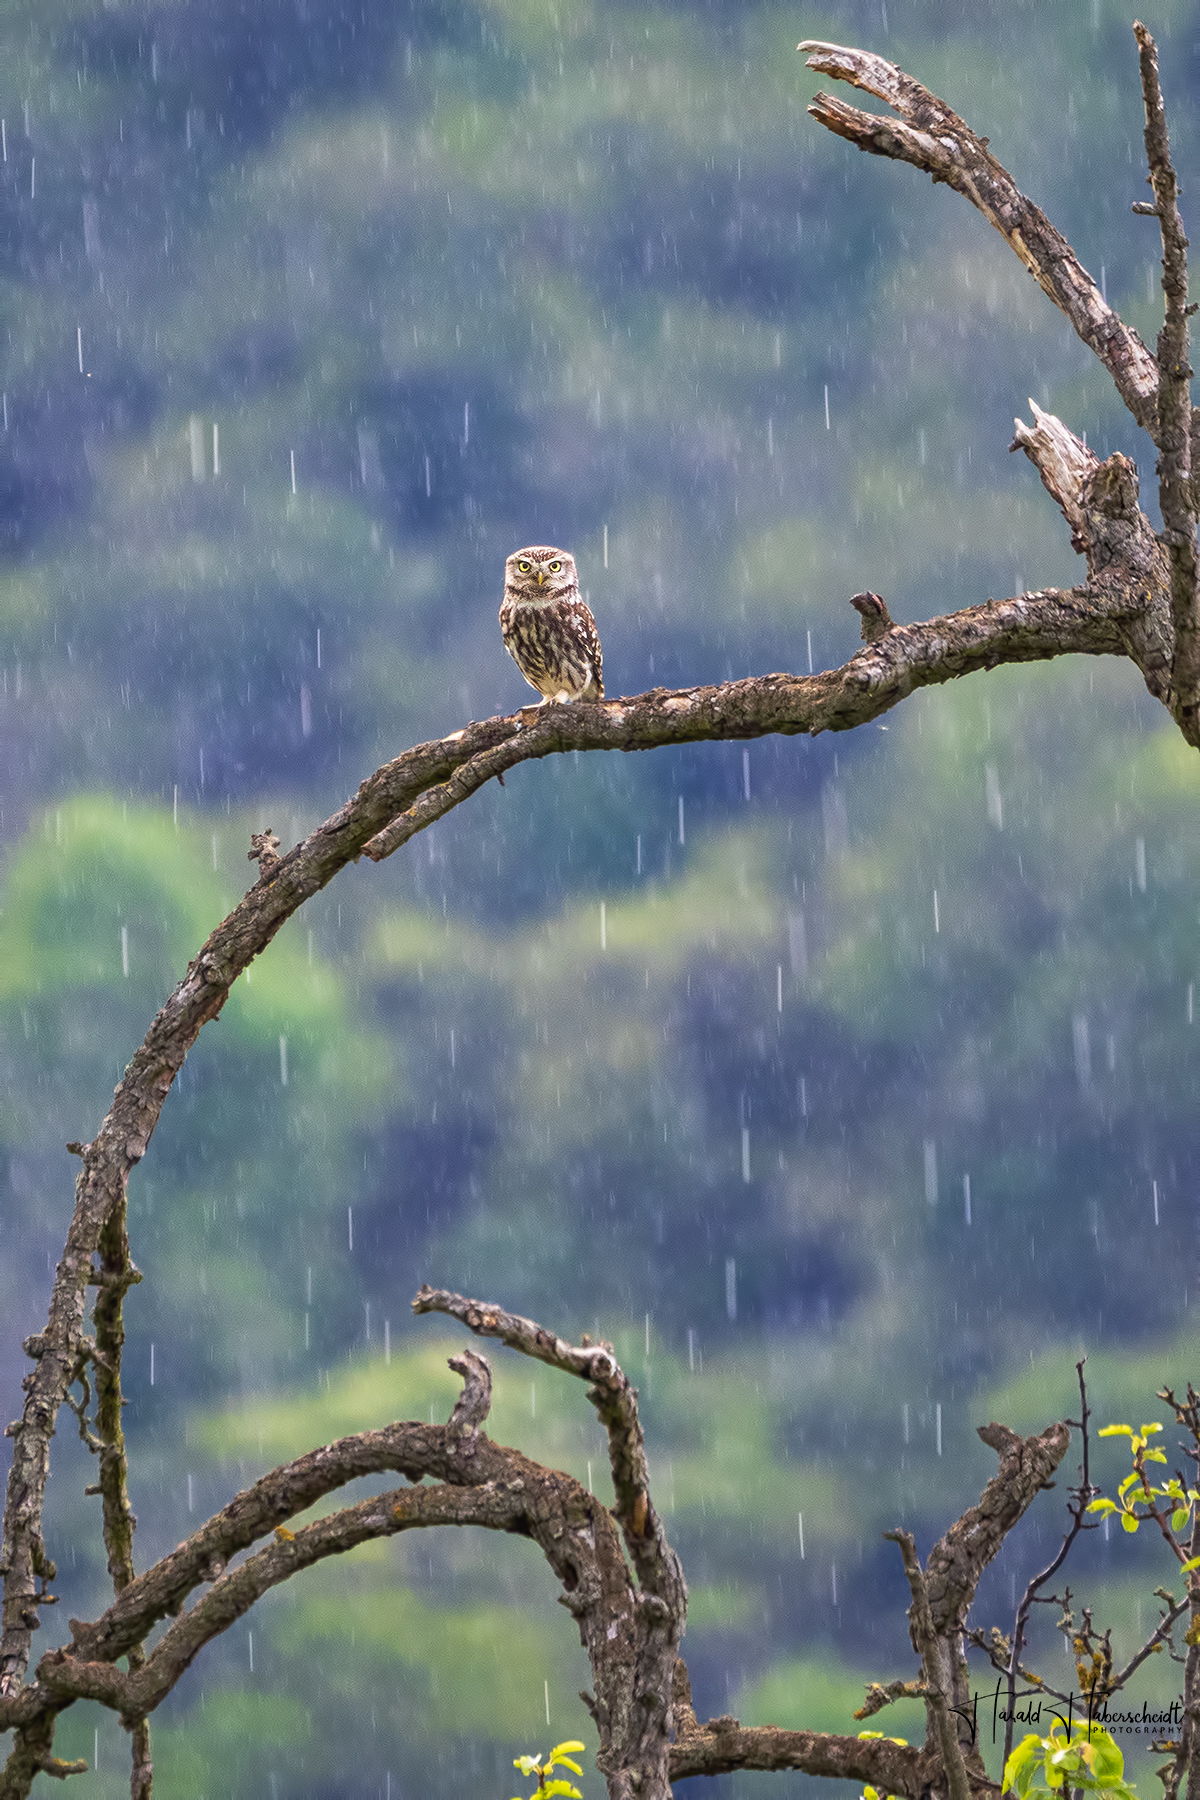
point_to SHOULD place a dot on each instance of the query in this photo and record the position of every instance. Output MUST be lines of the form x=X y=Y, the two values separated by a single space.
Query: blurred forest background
x=873 y=1103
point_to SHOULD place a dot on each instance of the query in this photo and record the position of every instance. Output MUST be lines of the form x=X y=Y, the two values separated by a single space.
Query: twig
x=1077 y=1507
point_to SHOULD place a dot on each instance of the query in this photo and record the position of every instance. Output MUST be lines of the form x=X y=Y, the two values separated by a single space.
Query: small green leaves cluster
x=1088 y=1758
x=1137 y=1487
x=560 y=1756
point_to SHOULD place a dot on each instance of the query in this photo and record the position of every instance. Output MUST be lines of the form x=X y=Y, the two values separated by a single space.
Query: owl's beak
x=541 y=578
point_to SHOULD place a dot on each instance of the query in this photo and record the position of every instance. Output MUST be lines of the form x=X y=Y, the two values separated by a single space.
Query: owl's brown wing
x=583 y=626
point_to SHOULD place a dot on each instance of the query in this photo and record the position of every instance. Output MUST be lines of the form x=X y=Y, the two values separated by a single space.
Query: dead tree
x=620 y=1578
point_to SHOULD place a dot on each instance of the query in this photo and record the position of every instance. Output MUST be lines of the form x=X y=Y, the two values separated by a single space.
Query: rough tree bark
x=1138 y=600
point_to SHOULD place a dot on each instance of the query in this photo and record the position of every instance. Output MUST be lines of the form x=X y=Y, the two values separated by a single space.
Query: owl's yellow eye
x=554 y=567
x=524 y=567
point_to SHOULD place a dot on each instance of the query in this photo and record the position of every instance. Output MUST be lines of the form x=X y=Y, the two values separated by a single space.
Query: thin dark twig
x=1077 y=1506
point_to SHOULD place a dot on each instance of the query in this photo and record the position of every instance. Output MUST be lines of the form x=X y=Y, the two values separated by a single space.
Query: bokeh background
x=873 y=1107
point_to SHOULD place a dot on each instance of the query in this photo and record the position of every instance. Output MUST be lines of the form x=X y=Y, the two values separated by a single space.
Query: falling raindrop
x=1154 y=1185
x=931 y=1176
x=125 y=950
x=939 y=1428
x=1139 y=863
x=995 y=802
x=152 y=1365
x=682 y=838
x=730 y=1288
x=967 y=1199
x=196 y=446
x=827 y=406
x=745 y=1153
x=797 y=944
x=283 y=1061
x=1083 y=1049
x=800 y=1522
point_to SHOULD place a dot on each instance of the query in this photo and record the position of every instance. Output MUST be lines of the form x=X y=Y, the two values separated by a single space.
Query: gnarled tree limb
x=1174 y=423
x=931 y=136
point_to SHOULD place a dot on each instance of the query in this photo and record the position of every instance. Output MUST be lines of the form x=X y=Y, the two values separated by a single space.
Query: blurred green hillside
x=848 y=1085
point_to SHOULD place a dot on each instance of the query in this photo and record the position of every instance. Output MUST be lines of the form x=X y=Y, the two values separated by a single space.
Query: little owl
x=547 y=630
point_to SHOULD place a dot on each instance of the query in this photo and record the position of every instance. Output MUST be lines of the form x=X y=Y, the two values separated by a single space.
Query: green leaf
x=1180 y=1517
x=1112 y=1431
x=1133 y=1480
x=1020 y=1767
x=567 y=1762
x=1103 y=1506
x=1149 y=1428
x=528 y=1765
x=560 y=1787
x=1192 y=1563
x=1129 y=1522
x=1155 y=1456
x=1104 y=1756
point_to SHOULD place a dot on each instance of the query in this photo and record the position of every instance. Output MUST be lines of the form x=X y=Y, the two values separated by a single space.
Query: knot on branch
x=1112 y=489
x=264 y=850
x=1000 y=1438
x=475 y=1402
x=876 y=620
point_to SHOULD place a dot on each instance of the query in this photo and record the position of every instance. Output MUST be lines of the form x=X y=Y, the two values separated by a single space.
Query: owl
x=547 y=630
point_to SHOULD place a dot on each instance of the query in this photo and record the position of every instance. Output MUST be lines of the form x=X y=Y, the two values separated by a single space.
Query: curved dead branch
x=930 y=135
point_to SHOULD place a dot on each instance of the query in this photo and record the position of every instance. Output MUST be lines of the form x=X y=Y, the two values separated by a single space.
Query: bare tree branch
x=724 y=1745
x=939 y=1683
x=930 y=135
x=1173 y=426
x=1099 y=619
